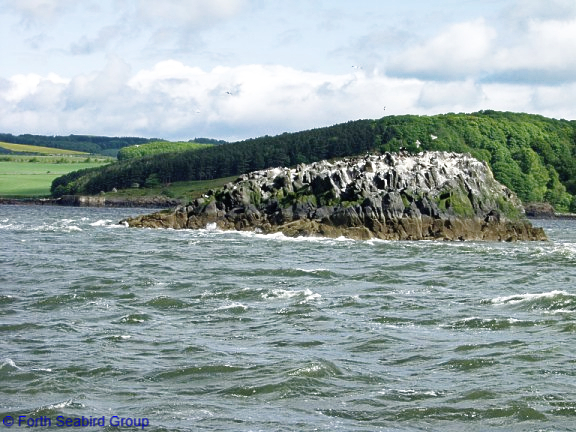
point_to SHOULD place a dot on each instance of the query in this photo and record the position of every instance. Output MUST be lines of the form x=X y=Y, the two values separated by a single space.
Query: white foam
x=234 y=305
x=115 y=226
x=9 y=362
x=101 y=222
x=61 y=405
x=519 y=298
x=318 y=270
x=411 y=392
x=288 y=294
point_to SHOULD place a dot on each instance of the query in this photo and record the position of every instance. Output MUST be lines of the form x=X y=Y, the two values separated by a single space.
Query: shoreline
x=96 y=201
x=160 y=201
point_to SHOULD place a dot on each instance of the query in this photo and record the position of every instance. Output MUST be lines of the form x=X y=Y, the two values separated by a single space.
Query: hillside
x=101 y=145
x=532 y=155
x=32 y=149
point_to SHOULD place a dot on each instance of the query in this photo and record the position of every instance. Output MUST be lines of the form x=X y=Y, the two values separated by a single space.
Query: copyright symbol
x=8 y=421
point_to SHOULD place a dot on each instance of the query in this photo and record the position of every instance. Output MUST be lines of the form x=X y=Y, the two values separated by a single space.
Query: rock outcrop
x=433 y=195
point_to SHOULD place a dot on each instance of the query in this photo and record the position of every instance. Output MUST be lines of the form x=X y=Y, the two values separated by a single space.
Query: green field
x=32 y=176
x=24 y=148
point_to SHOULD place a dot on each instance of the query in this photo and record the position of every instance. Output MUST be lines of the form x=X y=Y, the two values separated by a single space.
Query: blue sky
x=235 y=69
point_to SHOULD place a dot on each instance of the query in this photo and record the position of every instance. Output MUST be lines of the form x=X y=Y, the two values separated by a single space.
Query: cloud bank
x=162 y=73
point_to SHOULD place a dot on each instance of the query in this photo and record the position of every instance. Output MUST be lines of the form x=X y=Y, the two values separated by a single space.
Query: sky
x=238 y=69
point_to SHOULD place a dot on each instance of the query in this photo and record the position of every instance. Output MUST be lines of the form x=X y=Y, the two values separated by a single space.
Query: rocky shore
x=434 y=195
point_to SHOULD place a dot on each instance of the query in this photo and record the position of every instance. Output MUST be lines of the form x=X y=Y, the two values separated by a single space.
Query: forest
x=531 y=154
x=157 y=147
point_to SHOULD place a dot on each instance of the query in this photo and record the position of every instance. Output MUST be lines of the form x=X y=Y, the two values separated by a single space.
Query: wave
x=409 y=395
x=9 y=365
x=234 y=307
x=49 y=227
x=137 y=318
x=278 y=293
x=317 y=369
x=212 y=229
x=165 y=302
x=553 y=301
x=489 y=323
x=196 y=371
x=319 y=273
x=102 y=222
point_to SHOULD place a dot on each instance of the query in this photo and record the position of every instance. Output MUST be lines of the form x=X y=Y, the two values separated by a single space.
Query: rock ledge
x=433 y=195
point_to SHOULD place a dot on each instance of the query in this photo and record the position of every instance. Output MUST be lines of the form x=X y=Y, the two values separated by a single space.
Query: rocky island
x=432 y=195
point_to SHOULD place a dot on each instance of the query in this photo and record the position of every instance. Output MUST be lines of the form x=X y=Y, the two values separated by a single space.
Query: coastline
x=96 y=201
x=160 y=201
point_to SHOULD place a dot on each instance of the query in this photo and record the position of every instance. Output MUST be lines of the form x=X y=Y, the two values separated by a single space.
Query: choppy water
x=205 y=330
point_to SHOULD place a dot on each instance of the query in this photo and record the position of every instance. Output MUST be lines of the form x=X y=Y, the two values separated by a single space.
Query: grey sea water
x=221 y=331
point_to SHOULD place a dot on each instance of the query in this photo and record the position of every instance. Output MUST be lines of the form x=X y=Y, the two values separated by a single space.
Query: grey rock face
x=434 y=195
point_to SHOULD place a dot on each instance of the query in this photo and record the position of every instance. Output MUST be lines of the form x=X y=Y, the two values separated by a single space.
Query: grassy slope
x=24 y=148
x=24 y=176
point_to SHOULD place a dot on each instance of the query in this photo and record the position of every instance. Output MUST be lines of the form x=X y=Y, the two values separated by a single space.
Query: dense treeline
x=157 y=147
x=533 y=155
x=226 y=160
x=108 y=146
x=209 y=141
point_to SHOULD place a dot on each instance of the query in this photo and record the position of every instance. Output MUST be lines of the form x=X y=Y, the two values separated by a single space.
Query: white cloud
x=456 y=53
x=176 y=101
x=100 y=87
x=20 y=87
x=452 y=96
x=545 y=53
x=518 y=48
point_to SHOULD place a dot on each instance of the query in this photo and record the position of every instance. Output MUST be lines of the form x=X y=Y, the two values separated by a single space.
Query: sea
x=106 y=328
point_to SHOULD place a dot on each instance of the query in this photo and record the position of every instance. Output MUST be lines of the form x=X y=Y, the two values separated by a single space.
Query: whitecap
x=280 y=294
x=61 y=405
x=122 y=224
x=318 y=270
x=411 y=393
x=519 y=298
x=115 y=337
x=234 y=305
x=8 y=362
x=288 y=294
x=309 y=239
x=101 y=222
